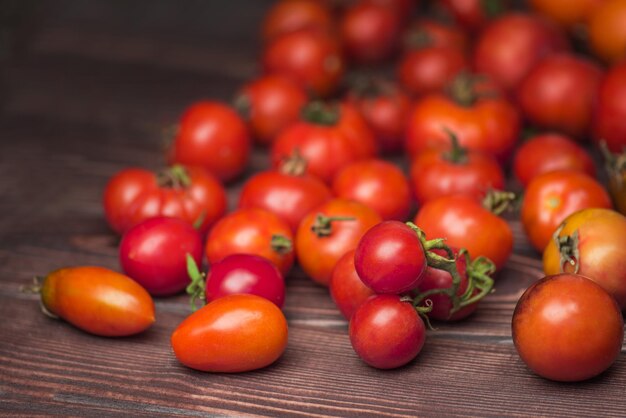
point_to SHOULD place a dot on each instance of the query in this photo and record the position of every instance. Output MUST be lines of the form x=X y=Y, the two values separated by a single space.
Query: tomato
x=403 y=8
x=431 y=68
x=607 y=30
x=98 y=300
x=153 y=254
x=429 y=32
x=386 y=332
x=312 y=59
x=474 y=14
x=615 y=166
x=288 y=16
x=252 y=231
x=379 y=184
x=212 y=135
x=436 y=172
x=591 y=242
x=567 y=13
x=235 y=333
x=510 y=46
x=346 y=287
x=567 y=328
x=550 y=152
x=328 y=232
x=610 y=118
x=134 y=195
x=270 y=103
x=560 y=93
x=552 y=196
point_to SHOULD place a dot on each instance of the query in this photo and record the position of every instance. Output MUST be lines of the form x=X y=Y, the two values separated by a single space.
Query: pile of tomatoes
x=388 y=122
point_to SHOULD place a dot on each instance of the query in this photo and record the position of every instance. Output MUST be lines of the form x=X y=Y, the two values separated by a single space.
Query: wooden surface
x=86 y=87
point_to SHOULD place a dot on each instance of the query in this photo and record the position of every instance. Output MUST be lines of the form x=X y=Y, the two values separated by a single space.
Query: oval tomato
x=607 y=30
x=430 y=69
x=346 y=287
x=610 y=117
x=288 y=16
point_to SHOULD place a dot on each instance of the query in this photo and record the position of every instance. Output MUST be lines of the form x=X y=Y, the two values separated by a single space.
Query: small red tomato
x=346 y=287
x=235 y=333
x=98 y=300
x=567 y=328
x=153 y=253
x=288 y=16
x=610 y=117
x=212 y=135
x=429 y=32
x=387 y=333
x=550 y=152
x=430 y=69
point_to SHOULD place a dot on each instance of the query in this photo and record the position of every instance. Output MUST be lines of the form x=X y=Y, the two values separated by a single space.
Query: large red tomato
x=610 y=118
x=288 y=16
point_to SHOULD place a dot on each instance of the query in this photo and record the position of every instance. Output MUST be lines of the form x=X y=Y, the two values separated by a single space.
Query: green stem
x=175 y=176
x=197 y=286
x=498 y=201
x=568 y=248
x=293 y=165
x=322 y=227
x=281 y=244
x=321 y=113
x=457 y=154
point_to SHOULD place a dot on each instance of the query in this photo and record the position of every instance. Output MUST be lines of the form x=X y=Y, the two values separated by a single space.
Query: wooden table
x=87 y=86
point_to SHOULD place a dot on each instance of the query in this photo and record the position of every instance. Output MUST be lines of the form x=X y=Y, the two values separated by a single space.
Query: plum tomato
x=610 y=117
x=607 y=30
x=567 y=328
x=347 y=289
x=288 y=16
x=153 y=253
x=235 y=333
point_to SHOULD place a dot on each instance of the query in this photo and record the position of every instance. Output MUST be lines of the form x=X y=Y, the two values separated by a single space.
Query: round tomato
x=346 y=287
x=235 y=333
x=288 y=16
x=431 y=68
x=610 y=117
x=567 y=13
x=607 y=30
x=429 y=32
x=567 y=328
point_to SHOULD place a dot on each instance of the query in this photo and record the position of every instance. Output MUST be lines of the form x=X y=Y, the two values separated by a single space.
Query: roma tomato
x=328 y=232
x=386 y=332
x=192 y=194
x=153 y=253
x=252 y=231
x=98 y=300
x=288 y=16
x=591 y=242
x=429 y=32
x=347 y=289
x=567 y=328
x=552 y=196
x=607 y=30
x=550 y=152
x=610 y=118
x=430 y=69
x=235 y=333
x=567 y=13
x=212 y=135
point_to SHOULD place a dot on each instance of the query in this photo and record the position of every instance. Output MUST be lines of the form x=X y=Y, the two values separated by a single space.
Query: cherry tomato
x=378 y=184
x=430 y=69
x=346 y=287
x=387 y=333
x=235 y=333
x=288 y=16
x=134 y=195
x=98 y=300
x=212 y=135
x=328 y=232
x=607 y=30
x=474 y=14
x=153 y=253
x=252 y=231
x=552 y=196
x=567 y=13
x=610 y=118
x=591 y=242
x=567 y=328
x=429 y=32
x=550 y=152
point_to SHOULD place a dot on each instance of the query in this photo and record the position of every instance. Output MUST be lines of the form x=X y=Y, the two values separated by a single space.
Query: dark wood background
x=86 y=88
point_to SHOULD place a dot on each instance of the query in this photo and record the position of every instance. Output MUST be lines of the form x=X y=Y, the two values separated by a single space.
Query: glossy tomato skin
x=98 y=300
x=119 y=193
x=610 y=118
x=347 y=289
x=601 y=246
x=288 y=16
x=251 y=231
x=386 y=333
x=235 y=333
x=550 y=152
x=465 y=223
x=607 y=31
x=567 y=328
x=551 y=197
x=212 y=135
x=153 y=253
x=318 y=252
x=431 y=68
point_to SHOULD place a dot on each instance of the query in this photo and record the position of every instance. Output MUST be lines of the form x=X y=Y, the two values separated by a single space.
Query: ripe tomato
x=378 y=184
x=591 y=242
x=252 y=231
x=607 y=30
x=430 y=69
x=386 y=332
x=552 y=196
x=270 y=103
x=346 y=287
x=134 y=195
x=328 y=232
x=567 y=13
x=153 y=253
x=429 y=32
x=288 y=16
x=610 y=118
x=474 y=14
x=550 y=152
x=567 y=328
x=235 y=333
x=560 y=93
x=98 y=300
x=212 y=135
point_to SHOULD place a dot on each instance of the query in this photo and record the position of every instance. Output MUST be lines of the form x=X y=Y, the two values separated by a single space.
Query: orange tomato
x=607 y=30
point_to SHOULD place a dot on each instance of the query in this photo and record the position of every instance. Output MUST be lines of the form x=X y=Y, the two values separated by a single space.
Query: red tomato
x=550 y=152
x=212 y=135
x=567 y=328
x=134 y=195
x=552 y=196
x=98 y=301
x=610 y=117
x=429 y=32
x=270 y=103
x=474 y=14
x=567 y=13
x=328 y=232
x=560 y=93
x=403 y=8
x=378 y=184
x=430 y=69
x=235 y=333
x=153 y=253
x=346 y=287
x=288 y=16
x=607 y=30
x=252 y=231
